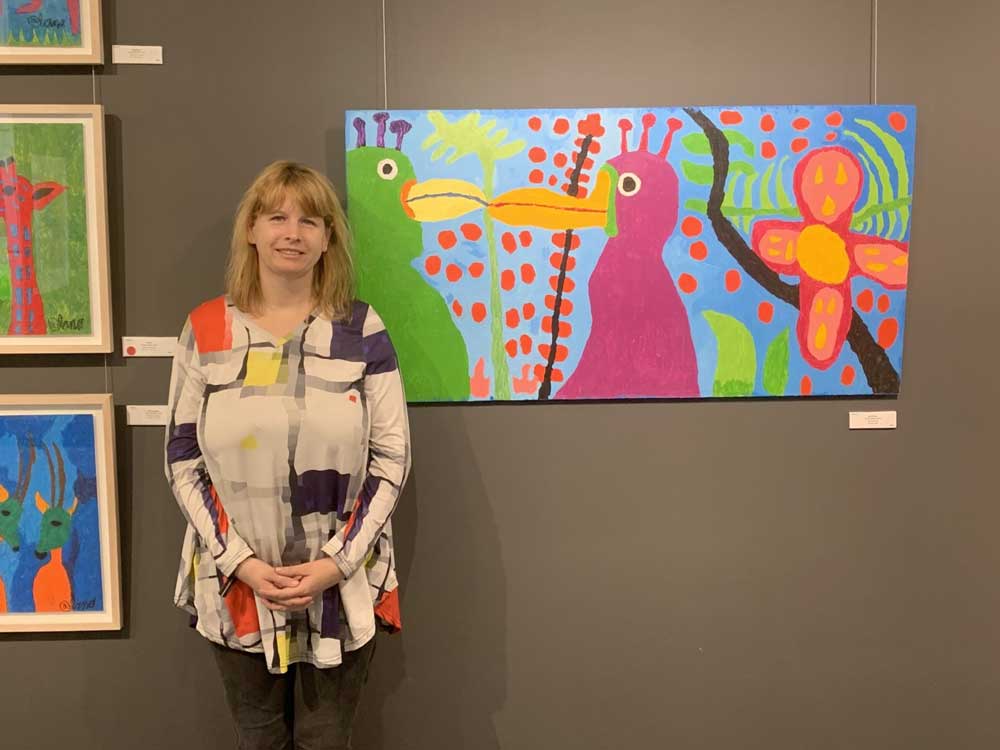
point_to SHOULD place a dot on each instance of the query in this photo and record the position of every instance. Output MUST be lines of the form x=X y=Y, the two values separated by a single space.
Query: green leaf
x=742 y=167
x=765 y=187
x=736 y=367
x=895 y=150
x=697 y=143
x=699 y=174
x=883 y=175
x=775 y=376
x=736 y=138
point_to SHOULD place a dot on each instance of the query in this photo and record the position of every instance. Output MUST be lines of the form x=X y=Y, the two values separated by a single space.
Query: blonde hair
x=333 y=275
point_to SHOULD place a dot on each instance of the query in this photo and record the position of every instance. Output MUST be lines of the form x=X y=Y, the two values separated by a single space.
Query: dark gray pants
x=306 y=708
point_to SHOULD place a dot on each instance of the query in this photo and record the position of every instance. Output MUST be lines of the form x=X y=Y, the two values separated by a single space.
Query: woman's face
x=289 y=243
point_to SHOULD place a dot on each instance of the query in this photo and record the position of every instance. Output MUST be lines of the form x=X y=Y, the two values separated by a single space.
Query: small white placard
x=134 y=54
x=148 y=346
x=147 y=414
x=873 y=420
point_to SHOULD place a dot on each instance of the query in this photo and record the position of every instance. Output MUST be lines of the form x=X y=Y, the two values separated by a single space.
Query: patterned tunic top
x=287 y=448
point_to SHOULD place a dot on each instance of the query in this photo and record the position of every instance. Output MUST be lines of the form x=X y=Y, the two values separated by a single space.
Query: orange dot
x=568 y=284
x=447 y=239
x=799 y=144
x=513 y=319
x=453 y=272
x=581 y=192
x=801 y=123
x=559 y=239
x=691 y=226
x=478 y=312
x=432 y=264
x=565 y=329
x=687 y=283
x=553 y=180
x=866 y=300
x=806 y=386
x=539 y=371
x=525 y=344
x=897 y=121
x=765 y=311
x=767 y=123
x=767 y=150
x=557 y=375
x=831 y=136
x=888 y=329
x=883 y=303
x=834 y=119
x=559 y=160
x=535 y=123
x=525 y=238
x=457 y=307
x=511 y=347
x=698 y=250
x=561 y=126
x=536 y=176
x=508 y=242
x=527 y=311
x=537 y=154
x=733 y=280
x=476 y=269
x=507 y=280
x=595 y=147
x=471 y=232
x=730 y=117
x=527 y=273
x=847 y=375
x=547 y=324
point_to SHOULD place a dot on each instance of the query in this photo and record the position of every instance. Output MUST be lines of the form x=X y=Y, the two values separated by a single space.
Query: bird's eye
x=387 y=169
x=629 y=184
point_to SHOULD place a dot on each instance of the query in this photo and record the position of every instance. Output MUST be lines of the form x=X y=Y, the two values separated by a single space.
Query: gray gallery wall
x=682 y=575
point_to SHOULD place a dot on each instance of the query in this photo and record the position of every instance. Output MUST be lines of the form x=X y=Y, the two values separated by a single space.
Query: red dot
x=525 y=238
x=799 y=144
x=507 y=280
x=687 y=283
x=561 y=126
x=453 y=272
x=897 y=121
x=511 y=347
x=527 y=273
x=767 y=150
x=432 y=264
x=888 y=329
x=476 y=269
x=508 y=242
x=513 y=319
x=883 y=303
x=765 y=311
x=447 y=239
x=831 y=136
x=131 y=351
x=526 y=344
x=559 y=160
x=457 y=307
x=733 y=280
x=535 y=123
x=866 y=300
x=801 y=123
x=834 y=119
x=553 y=180
x=536 y=176
x=847 y=375
x=478 y=312
x=698 y=250
x=730 y=117
x=471 y=232
x=691 y=226
x=527 y=311
x=537 y=154
x=568 y=284
x=559 y=239
x=806 y=386
x=767 y=123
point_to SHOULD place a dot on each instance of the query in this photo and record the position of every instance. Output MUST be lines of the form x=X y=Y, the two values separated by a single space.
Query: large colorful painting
x=58 y=514
x=634 y=253
x=50 y=31
x=54 y=287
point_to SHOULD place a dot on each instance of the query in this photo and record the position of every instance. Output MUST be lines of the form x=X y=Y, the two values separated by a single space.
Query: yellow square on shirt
x=263 y=367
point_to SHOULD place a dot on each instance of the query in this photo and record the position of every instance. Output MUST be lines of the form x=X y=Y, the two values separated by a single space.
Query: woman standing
x=287 y=451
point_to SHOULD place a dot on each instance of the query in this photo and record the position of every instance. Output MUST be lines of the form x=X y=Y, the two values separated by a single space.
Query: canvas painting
x=697 y=252
x=58 y=514
x=50 y=31
x=54 y=294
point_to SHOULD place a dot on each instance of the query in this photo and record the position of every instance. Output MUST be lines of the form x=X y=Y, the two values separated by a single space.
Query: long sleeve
x=185 y=466
x=388 y=451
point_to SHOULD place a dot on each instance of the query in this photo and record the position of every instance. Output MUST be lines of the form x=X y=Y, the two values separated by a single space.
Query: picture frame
x=59 y=550
x=54 y=290
x=51 y=32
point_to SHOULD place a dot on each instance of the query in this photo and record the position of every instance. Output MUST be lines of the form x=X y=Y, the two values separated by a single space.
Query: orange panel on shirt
x=211 y=326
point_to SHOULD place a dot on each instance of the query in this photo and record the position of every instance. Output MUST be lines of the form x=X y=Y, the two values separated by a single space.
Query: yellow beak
x=537 y=207
x=440 y=199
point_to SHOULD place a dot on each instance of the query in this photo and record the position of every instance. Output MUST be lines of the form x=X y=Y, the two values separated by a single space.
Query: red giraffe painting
x=20 y=199
x=72 y=8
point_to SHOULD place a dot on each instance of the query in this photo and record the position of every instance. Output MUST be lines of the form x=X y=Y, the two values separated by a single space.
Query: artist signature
x=59 y=323
x=47 y=23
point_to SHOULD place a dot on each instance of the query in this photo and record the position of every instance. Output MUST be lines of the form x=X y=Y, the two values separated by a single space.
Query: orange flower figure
x=825 y=254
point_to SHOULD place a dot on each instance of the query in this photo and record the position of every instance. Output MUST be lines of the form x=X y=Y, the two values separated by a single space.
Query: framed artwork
x=697 y=252
x=54 y=294
x=58 y=514
x=61 y=32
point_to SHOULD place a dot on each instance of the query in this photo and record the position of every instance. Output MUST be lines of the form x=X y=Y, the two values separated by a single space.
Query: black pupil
x=5 y=513
x=57 y=523
x=386 y=169
x=628 y=184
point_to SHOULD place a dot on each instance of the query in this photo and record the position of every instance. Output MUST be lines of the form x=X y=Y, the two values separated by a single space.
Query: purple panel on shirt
x=330 y=626
x=379 y=355
x=345 y=342
x=364 y=503
x=320 y=492
x=183 y=443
